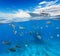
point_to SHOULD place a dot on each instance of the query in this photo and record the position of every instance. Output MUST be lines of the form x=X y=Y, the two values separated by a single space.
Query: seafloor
x=30 y=38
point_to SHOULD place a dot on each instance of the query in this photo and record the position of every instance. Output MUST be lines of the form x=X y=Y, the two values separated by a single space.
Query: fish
x=22 y=28
x=6 y=42
x=48 y=22
x=12 y=49
x=39 y=37
x=31 y=33
x=18 y=46
x=15 y=32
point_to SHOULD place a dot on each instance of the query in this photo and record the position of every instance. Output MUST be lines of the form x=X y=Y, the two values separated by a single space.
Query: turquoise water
x=47 y=44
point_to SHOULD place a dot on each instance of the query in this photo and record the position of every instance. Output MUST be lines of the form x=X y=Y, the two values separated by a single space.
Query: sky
x=10 y=5
x=10 y=9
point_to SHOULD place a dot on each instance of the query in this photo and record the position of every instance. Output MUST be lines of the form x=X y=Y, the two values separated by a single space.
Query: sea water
x=35 y=38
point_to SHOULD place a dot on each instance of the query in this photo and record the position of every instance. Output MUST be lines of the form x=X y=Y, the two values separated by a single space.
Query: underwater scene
x=30 y=38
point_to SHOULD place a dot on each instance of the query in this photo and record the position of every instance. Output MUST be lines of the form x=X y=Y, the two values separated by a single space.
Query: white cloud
x=48 y=3
x=17 y=14
x=22 y=14
x=50 y=7
x=44 y=2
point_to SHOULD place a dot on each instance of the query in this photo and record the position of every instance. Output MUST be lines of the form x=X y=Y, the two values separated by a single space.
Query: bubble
x=57 y=27
x=26 y=45
x=41 y=27
x=58 y=35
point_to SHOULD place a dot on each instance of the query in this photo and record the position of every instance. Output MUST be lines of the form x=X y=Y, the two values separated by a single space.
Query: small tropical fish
x=18 y=46
x=12 y=49
x=48 y=22
x=22 y=28
x=13 y=25
x=15 y=32
x=6 y=42
x=31 y=33
x=39 y=37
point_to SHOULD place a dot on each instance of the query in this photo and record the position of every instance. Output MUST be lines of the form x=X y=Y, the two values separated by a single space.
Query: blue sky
x=10 y=5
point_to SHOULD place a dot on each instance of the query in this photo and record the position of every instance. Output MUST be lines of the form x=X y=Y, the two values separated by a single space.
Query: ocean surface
x=30 y=38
